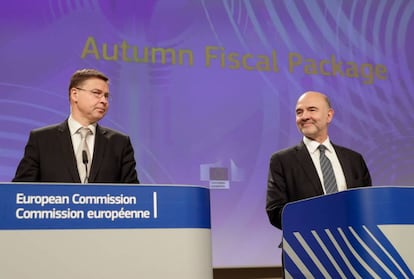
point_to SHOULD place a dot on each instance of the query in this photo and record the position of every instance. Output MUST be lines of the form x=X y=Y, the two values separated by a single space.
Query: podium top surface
x=367 y=205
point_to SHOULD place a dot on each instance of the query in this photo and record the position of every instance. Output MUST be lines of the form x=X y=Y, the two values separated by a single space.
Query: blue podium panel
x=104 y=231
x=359 y=233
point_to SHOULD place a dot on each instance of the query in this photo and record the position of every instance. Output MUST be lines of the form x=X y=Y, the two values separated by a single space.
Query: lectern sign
x=84 y=206
x=98 y=231
x=359 y=233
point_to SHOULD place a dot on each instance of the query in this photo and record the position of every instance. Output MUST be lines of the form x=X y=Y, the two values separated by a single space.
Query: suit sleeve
x=366 y=176
x=276 y=197
x=28 y=169
x=128 y=164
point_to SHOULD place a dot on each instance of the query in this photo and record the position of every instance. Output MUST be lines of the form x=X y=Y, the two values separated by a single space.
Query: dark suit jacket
x=293 y=176
x=49 y=157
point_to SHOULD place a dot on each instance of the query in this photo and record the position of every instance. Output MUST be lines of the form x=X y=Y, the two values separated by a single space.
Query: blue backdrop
x=207 y=90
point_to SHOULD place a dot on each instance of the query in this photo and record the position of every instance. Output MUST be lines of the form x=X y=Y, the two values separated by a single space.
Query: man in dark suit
x=51 y=152
x=295 y=173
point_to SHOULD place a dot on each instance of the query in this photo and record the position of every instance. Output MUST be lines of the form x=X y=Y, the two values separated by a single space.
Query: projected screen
x=207 y=89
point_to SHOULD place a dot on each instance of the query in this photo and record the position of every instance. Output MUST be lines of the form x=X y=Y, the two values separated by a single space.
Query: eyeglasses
x=97 y=93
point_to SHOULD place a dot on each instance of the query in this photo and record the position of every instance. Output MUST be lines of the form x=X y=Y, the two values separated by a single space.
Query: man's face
x=87 y=106
x=313 y=116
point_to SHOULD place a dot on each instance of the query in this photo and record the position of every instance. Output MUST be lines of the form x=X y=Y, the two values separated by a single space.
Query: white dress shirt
x=76 y=137
x=312 y=147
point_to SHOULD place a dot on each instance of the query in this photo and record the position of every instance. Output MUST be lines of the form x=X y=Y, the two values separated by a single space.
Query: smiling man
x=315 y=166
x=79 y=149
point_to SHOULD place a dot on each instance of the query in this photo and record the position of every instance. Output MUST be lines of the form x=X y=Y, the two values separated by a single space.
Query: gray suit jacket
x=293 y=176
x=49 y=157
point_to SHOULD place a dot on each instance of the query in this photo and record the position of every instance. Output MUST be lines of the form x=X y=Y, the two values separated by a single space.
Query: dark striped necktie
x=329 y=180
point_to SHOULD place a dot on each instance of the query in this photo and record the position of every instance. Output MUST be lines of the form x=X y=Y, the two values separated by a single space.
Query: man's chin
x=308 y=130
x=98 y=116
x=308 y=134
x=101 y=112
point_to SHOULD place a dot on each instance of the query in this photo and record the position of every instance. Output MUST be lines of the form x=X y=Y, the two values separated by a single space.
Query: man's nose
x=305 y=115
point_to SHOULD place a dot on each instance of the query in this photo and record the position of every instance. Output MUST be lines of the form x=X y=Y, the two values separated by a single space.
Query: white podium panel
x=104 y=231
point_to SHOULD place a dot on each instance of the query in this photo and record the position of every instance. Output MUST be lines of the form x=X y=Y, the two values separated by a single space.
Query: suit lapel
x=68 y=156
x=306 y=163
x=98 y=152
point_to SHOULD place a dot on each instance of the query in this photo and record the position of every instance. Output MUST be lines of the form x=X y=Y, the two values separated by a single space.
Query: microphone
x=85 y=162
x=85 y=157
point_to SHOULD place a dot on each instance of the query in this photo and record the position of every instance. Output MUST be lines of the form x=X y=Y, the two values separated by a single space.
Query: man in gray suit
x=295 y=173
x=51 y=152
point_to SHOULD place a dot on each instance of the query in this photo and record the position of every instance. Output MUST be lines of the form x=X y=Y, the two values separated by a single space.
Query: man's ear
x=331 y=113
x=73 y=95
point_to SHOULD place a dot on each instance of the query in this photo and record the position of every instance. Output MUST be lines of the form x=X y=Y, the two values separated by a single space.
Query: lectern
x=50 y=231
x=359 y=233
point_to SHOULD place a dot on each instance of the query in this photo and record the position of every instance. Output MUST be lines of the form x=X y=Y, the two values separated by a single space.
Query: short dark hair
x=81 y=75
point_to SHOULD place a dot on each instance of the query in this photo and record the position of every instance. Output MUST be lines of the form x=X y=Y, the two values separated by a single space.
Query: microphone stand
x=85 y=162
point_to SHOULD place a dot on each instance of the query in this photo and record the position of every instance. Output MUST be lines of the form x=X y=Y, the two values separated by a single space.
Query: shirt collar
x=75 y=125
x=312 y=145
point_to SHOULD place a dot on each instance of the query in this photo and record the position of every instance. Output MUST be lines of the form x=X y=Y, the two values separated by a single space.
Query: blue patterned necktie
x=329 y=180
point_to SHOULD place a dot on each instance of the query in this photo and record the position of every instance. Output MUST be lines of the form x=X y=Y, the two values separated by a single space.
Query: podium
x=50 y=231
x=359 y=233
